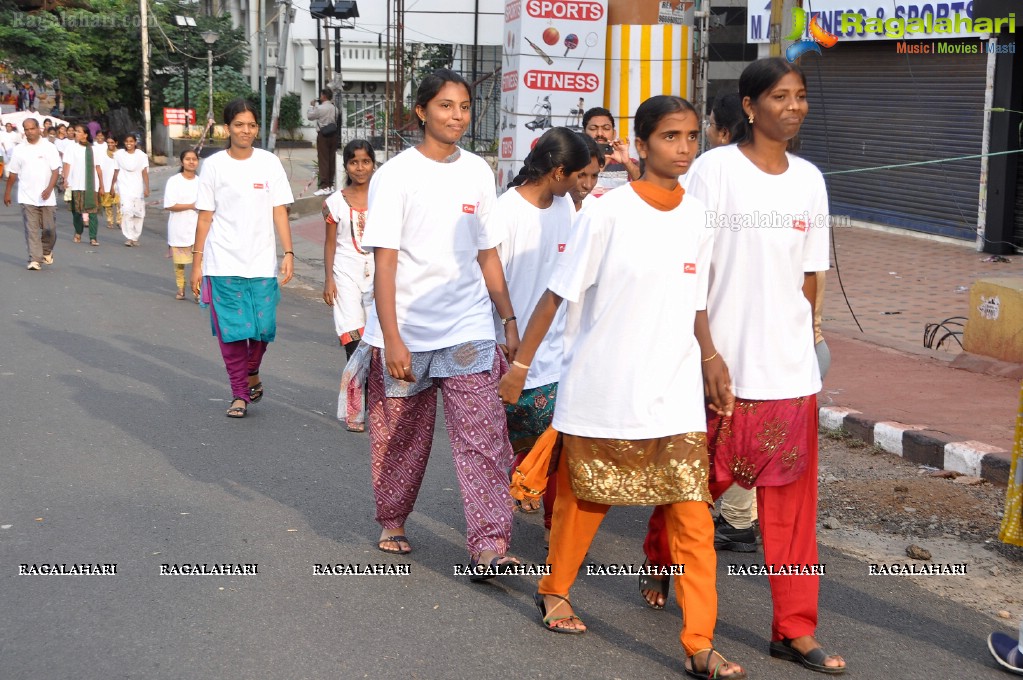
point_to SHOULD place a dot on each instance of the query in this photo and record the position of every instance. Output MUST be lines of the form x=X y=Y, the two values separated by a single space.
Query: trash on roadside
x=996 y=258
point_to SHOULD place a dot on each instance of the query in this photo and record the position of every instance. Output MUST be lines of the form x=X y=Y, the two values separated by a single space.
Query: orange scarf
x=658 y=197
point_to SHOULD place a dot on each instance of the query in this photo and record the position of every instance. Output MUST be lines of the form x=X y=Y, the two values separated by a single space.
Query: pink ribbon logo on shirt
x=690 y=268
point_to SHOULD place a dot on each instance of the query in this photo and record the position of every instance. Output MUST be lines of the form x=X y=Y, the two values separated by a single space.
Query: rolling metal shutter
x=1017 y=233
x=870 y=106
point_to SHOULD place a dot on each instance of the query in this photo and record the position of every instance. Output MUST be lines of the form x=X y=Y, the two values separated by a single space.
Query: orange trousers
x=788 y=524
x=690 y=532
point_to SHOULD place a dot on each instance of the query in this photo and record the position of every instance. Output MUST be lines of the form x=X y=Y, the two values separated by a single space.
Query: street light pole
x=210 y=37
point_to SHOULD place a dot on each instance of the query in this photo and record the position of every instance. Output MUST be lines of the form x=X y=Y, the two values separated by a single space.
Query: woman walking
x=179 y=198
x=438 y=279
x=108 y=199
x=537 y=216
x=632 y=433
x=348 y=269
x=132 y=181
x=761 y=305
x=243 y=198
x=82 y=178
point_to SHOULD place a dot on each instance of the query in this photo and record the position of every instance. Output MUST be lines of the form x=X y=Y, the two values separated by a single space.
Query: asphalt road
x=115 y=449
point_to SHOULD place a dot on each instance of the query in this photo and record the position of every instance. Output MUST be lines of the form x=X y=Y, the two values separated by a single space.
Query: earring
x=751 y=119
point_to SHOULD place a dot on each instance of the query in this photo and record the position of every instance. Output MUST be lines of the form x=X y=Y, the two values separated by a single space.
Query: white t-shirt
x=770 y=229
x=181 y=225
x=536 y=241
x=74 y=156
x=129 y=173
x=633 y=278
x=8 y=140
x=106 y=164
x=436 y=216
x=242 y=196
x=34 y=165
x=349 y=257
x=63 y=144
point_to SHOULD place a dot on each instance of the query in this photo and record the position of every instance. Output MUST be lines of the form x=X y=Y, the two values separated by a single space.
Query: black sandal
x=497 y=567
x=397 y=540
x=255 y=391
x=812 y=660
x=711 y=674
x=658 y=585
x=237 y=411
x=548 y=619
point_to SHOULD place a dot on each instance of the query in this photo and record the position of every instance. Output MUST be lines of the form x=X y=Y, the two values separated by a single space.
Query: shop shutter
x=871 y=106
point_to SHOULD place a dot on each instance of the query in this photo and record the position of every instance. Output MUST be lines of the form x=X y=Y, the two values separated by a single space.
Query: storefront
x=878 y=100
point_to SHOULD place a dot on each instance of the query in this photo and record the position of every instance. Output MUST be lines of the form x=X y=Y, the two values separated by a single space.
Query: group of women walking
x=665 y=352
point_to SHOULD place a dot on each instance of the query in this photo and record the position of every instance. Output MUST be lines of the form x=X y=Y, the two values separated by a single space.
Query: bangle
x=290 y=252
x=709 y=358
x=504 y=322
x=197 y=252
x=520 y=365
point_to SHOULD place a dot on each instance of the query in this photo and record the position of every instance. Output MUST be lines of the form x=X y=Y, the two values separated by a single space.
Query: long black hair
x=758 y=78
x=235 y=107
x=728 y=115
x=558 y=147
x=348 y=153
x=432 y=85
x=595 y=151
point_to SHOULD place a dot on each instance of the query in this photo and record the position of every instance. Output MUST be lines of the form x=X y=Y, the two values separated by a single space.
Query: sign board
x=553 y=72
x=926 y=14
x=177 y=117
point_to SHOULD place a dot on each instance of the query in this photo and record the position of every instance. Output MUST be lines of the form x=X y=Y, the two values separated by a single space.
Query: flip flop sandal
x=548 y=619
x=397 y=540
x=708 y=673
x=237 y=411
x=93 y=242
x=180 y=295
x=812 y=660
x=77 y=238
x=658 y=585
x=495 y=568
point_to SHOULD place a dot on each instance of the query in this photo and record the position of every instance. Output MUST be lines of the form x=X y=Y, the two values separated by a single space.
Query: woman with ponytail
x=537 y=216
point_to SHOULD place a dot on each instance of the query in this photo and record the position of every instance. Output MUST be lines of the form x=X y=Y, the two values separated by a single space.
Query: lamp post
x=210 y=37
x=185 y=22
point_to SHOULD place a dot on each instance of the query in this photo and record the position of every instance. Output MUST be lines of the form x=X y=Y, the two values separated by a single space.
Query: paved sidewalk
x=910 y=400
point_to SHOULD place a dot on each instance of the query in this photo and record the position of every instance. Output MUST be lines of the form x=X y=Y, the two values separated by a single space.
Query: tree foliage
x=94 y=49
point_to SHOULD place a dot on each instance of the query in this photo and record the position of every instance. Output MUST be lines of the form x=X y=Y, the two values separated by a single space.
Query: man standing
x=324 y=114
x=34 y=166
x=619 y=168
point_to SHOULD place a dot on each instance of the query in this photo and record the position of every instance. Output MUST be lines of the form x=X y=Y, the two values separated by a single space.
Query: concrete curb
x=921 y=444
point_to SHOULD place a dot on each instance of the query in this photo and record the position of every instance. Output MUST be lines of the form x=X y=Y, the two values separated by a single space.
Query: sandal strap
x=707 y=671
x=549 y=621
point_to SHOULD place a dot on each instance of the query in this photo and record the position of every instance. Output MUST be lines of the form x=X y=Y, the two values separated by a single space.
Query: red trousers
x=788 y=524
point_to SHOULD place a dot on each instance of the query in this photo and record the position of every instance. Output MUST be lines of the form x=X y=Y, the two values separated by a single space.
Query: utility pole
x=282 y=55
x=701 y=16
x=781 y=18
x=146 y=110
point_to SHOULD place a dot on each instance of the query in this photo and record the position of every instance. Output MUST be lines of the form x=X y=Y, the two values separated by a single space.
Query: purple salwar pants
x=401 y=436
x=241 y=359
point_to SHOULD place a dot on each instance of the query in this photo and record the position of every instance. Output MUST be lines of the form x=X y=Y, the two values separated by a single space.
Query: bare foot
x=807 y=643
